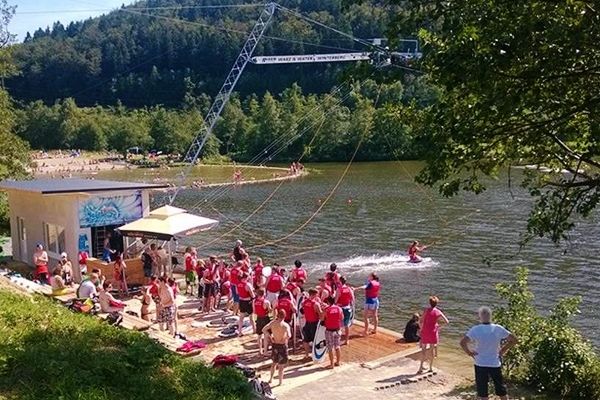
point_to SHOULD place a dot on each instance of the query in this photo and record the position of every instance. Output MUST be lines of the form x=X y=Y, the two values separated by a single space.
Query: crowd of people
x=282 y=307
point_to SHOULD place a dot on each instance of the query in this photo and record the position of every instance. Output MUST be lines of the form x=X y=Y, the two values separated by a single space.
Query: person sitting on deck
x=108 y=303
x=411 y=331
x=87 y=289
x=58 y=284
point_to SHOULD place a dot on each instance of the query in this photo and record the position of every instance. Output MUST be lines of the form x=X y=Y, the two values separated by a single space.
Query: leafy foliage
x=518 y=84
x=47 y=352
x=327 y=126
x=551 y=355
x=157 y=57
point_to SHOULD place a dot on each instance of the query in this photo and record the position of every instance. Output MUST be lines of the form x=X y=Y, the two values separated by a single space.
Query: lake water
x=371 y=218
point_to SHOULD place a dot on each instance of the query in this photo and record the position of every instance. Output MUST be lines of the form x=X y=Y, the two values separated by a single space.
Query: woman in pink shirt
x=430 y=332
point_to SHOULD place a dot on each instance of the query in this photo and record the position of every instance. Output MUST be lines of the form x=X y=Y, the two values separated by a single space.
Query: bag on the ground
x=114 y=318
x=247 y=371
x=262 y=390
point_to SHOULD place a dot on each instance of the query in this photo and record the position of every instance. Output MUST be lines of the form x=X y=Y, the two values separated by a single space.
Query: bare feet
x=337 y=364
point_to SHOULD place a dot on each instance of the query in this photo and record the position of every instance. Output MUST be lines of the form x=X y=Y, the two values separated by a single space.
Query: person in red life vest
x=258 y=278
x=274 y=284
x=298 y=272
x=333 y=317
x=153 y=290
x=332 y=277
x=413 y=252
x=235 y=272
x=344 y=298
x=211 y=275
x=261 y=308
x=223 y=281
x=246 y=294
x=200 y=267
x=190 y=262
x=283 y=274
x=300 y=283
x=371 y=302
x=82 y=258
x=294 y=289
x=324 y=289
x=284 y=302
x=311 y=308
x=40 y=260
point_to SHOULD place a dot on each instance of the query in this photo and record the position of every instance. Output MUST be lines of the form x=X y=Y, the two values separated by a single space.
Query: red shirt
x=259 y=307
x=243 y=292
x=285 y=304
x=345 y=298
x=275 y=283
x=310 y=314
x=333 y=317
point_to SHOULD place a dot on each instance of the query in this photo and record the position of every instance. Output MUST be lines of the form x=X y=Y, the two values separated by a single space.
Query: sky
x=33 y=14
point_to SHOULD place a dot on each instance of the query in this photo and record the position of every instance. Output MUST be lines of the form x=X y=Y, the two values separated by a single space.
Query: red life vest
x=234 y=276
x=291 y=286
x=259 y=307
x=275 y=283
x=309 y=310
x=243 y=292
x=372 y=292
x=285 y=304
x=332 y=278
x=209 y=273
x=257 y=274
x=325 y=287
x=189 y=263
x=345 y=298
x=299 y=273
x=154 y=290
x=333 y=317
x=224 y=274
x=225 y=288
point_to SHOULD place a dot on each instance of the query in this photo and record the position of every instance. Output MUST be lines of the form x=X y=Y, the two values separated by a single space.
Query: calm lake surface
x=368 y=223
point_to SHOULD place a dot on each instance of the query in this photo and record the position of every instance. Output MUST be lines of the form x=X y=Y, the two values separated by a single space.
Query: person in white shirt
x=87 y=289
x=487 y=343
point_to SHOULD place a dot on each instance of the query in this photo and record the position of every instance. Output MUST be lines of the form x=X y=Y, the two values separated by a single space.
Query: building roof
x=73 y=185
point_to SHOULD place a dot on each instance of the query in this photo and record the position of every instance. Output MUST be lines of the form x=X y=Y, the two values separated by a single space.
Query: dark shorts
x=147 y=271
x=261 y=322
x=246 y=307
x=347 y=316
x=279 y=353
x=482 y=377
x=309 y=331
x=234 y=294
x=209 y=289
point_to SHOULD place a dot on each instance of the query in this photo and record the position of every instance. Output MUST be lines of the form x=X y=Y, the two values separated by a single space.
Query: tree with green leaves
x=519 y=83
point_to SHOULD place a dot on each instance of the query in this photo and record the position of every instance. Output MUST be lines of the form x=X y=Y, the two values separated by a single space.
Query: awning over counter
x=166 y=223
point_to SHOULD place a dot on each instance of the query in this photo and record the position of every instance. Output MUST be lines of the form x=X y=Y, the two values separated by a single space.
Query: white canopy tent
x=167 y=223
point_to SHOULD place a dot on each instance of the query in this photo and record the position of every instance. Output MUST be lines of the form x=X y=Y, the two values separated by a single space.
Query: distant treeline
x=326 y=127
x=159 y=55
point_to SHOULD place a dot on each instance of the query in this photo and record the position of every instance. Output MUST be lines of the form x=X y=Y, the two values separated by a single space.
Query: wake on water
x=377 y=263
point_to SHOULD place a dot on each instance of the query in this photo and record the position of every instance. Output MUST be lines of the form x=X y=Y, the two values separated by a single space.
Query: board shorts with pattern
x=279 y=353
x=167 y=314
x=309 y=331
x=347 y=316
x=332 y=338
x=261 y=322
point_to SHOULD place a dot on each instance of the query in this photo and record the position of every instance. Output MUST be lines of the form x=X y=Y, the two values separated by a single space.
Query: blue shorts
x=347 y=316
x=372 y=304
x=234 y=294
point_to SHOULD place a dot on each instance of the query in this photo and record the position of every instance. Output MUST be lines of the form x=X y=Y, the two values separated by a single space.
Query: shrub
x=47 y=352
x=551 y=355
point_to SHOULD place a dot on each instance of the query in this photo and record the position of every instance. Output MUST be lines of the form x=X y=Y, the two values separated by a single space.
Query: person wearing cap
x=67 y=268
x=40 y=260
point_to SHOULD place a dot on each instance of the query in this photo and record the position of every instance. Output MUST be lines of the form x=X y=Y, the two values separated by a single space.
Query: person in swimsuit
x=279 y=333
x=430 y=332
x=414 y=250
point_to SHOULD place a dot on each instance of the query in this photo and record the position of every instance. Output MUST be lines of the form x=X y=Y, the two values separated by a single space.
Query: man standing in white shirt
x=487 y=343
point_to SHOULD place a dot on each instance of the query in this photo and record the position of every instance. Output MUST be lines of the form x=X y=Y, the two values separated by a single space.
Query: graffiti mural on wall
x=103 y=211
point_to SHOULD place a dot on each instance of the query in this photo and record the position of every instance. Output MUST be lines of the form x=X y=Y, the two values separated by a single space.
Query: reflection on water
x=370 y=220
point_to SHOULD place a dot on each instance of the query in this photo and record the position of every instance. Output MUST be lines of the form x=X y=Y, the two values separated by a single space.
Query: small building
x=72 y=215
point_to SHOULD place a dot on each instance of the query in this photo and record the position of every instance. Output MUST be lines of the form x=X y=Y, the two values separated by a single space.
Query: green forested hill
x=155 y=56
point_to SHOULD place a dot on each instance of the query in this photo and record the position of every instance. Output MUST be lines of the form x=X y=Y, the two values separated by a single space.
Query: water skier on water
x=414 y=250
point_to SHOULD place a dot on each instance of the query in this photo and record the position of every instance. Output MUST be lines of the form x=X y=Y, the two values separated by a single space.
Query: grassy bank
x=47 y=352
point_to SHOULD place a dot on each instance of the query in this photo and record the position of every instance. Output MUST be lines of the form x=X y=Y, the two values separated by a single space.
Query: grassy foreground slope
x=47 y=352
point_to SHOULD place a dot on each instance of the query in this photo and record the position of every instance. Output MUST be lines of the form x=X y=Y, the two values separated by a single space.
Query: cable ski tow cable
x=314 y=215
x=236 y=227
x=217 y=6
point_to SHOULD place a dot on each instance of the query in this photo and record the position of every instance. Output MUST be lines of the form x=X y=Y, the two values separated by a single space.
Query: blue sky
x=33 y=14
